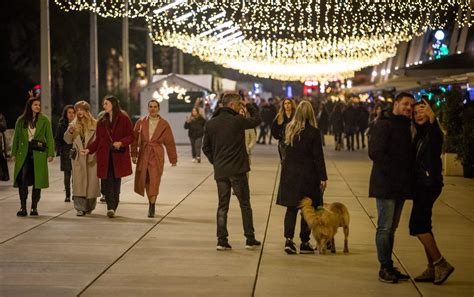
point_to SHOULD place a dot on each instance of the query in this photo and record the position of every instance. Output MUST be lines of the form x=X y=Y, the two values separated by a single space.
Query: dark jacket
x=303 y=169
x=278 y=131
x=120 y=130
x=363 y=118
x=268 y=113
x=337 y=122
x=224 y=141
x=62 y=148
x=429 y=142
x=323 y=121
x=350 y=116
x=392 y=153
x=195 y=127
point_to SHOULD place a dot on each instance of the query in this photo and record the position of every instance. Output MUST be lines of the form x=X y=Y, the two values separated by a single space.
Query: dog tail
x=307 y=210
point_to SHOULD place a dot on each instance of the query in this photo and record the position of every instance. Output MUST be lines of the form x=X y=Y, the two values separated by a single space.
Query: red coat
x=120 y=130
x=161 y=138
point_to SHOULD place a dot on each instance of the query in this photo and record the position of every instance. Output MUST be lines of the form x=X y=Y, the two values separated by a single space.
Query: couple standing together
x=407 y=165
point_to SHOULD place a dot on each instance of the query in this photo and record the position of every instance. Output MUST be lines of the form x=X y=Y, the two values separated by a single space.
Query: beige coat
x=85 y=182
x=143 y=147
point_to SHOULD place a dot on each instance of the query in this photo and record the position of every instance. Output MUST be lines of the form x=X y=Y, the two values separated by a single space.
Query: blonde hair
x=87 y=122
x=281 y=112
x=304 y=113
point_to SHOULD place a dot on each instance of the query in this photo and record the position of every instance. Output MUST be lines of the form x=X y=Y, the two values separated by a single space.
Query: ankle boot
x=426 y=276
x=151 y=210
x=33 y=212
x=442 y=271
x=22 y=212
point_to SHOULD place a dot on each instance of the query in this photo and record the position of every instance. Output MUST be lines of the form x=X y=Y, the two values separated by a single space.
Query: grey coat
x=85 y=182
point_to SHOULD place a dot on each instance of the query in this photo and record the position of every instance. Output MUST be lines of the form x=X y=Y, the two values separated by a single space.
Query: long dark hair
x=115 y=110
x=27 y=115
x=64 y=120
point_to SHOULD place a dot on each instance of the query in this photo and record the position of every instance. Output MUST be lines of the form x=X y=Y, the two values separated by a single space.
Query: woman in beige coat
x=151 y=135
x=85 y=183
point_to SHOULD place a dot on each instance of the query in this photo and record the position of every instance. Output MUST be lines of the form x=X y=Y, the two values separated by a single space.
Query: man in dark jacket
x=224 y=146
x=391 y=150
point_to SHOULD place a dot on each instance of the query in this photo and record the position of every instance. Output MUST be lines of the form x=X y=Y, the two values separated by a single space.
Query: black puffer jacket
x=392 y=152
x=224 y=141
x=195 y=127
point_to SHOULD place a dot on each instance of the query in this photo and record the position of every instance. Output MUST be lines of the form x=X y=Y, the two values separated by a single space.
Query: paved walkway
x=60 y=254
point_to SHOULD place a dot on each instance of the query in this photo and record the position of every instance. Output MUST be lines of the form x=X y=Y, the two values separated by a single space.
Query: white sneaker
x=194 y=160
x=111 y=213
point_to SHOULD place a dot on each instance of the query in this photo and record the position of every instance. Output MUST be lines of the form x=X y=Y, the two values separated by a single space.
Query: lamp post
x=45 y=59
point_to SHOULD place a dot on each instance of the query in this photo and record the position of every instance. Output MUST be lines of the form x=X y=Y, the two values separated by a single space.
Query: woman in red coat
x=114 y=136
x=152 y=135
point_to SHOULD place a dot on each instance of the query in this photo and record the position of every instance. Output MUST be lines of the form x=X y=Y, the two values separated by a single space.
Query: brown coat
x=143 y=148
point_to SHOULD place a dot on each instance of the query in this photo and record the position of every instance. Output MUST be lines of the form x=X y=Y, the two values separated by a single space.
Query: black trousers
x=290 y=224
x=67 y=182
x=360 y=133
x=111 y=187
x=240 y=185
x=25 y=178
x=350 y=140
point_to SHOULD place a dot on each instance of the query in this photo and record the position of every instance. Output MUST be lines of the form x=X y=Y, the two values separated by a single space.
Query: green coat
x=43 y=132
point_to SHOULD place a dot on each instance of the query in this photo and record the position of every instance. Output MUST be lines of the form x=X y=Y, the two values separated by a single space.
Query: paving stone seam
x=143 y=235
x=266 y=231
x=34 y=227
x=456 y=211
x=374 y=224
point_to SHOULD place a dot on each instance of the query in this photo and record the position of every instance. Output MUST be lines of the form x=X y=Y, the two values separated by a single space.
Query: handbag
x=38 y=145
x=72 y=154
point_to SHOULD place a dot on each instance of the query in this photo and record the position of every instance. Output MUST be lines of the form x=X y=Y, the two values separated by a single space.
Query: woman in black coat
x=284 y=116
x=63 y=148
x=429 y=182
x=303 y=173
x=195 y=125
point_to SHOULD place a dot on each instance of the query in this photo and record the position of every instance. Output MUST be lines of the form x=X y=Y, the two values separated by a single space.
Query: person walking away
x=303 y=174
x=152 y=134
x=32 y=149
x=224 y=147
x=85 y=183
x=284 y=116
x=195 y=126
x=429 y=183
x=64 y=148
x=114 y=134
x=392 y=154
x=267 y=115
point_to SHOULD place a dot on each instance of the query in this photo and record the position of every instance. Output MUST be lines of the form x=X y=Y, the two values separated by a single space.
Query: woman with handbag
x=151 y=135
x=303 y=174
x=79 y=134
x=429 y=183
x=114 y=134
x=32 y=149
x=283 y=117
x=63 y=148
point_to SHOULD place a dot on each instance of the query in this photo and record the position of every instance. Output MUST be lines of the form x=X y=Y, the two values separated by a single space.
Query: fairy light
x=295 y=39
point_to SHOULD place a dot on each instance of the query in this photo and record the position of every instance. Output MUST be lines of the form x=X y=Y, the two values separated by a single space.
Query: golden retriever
x=324 y=223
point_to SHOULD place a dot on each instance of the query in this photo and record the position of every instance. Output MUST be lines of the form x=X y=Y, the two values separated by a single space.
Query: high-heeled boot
x=35 y=198
x=151 y=210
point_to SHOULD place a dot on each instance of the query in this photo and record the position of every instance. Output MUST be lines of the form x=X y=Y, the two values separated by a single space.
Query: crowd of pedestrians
x=404 y=143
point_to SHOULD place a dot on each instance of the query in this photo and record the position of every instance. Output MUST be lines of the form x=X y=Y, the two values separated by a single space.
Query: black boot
x=151 y=210
x=22 y=212
x=35 y=198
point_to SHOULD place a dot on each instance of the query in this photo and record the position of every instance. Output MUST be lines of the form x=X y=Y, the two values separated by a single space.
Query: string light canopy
x=291 y=40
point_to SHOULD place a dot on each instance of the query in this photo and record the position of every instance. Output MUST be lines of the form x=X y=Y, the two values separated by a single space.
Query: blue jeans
x=389 y=212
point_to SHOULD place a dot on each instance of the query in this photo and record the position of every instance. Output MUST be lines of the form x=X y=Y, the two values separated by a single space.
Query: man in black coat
x=224 y=146
x=392 y=153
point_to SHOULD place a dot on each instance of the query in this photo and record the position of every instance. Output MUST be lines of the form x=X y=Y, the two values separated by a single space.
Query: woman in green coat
x=33 y=146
